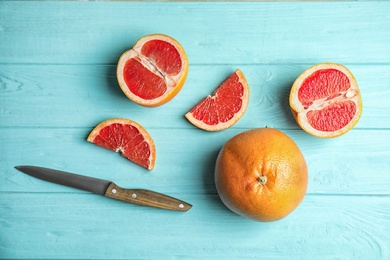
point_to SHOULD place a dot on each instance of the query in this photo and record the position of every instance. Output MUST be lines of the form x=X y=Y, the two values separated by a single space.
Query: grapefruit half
x=326 y=101
x=128 y=138
x=225 y=107
x=153 y=71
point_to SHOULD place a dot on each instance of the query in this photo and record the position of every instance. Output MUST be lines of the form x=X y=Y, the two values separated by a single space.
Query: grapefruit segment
x=128 y=138
x=164 y=55
x=325 y=100
x=153 y=71
x=142 y=82
x=224 y=107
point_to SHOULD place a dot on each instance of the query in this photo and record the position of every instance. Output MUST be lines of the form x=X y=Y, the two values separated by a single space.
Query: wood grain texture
x=248 y=33
x=146 y=198
x=185 y=164
x=95 y=227
x=57 y=81
x=93 y=89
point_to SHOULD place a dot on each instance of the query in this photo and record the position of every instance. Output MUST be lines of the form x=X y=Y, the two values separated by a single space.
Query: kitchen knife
x=106 y=188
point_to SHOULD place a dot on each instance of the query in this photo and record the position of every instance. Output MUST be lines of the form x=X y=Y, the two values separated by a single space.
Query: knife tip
x=20 y=167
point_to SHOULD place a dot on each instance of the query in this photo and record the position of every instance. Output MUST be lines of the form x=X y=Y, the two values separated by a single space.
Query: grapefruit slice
x=225 y=107
x=128 y=138
x=326 y=101
x=153 y=71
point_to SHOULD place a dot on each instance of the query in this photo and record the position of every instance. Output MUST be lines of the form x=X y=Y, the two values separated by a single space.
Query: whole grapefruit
x=261 y=174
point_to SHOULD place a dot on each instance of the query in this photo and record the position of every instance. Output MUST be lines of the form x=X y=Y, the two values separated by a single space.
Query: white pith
x=170 y=81
x=233 y=120
x=147 y=138
x=352 y=94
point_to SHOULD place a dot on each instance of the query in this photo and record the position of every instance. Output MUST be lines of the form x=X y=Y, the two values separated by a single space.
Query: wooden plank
x=77 y=226
x=222 y=33
x=57 y=81
x=356 y=163
x=83 y=95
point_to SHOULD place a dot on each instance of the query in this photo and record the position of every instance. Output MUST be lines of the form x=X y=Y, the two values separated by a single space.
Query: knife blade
x=106 y=188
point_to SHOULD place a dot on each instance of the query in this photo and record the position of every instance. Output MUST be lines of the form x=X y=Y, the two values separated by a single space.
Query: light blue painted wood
x=210 y=32
x=85 y=226
x=57 y=81
x=184 y=164
x=93 y=89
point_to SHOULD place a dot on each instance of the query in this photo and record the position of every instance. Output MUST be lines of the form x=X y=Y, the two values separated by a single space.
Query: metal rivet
x=134 y=195
x=113 y=191
x=181 y=206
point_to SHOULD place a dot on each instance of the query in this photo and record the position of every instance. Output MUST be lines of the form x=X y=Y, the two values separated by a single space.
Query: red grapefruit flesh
x=153 y=71
x=128 y=138
x=326 y=101
x=225 y=107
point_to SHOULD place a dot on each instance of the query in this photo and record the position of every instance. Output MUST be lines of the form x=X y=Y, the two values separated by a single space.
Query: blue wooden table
x=57 y=81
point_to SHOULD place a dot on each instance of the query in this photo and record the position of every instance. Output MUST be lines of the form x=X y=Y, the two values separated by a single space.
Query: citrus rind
x=224 y=125
x=300 y=112
x=174 y=83
x=147 y=138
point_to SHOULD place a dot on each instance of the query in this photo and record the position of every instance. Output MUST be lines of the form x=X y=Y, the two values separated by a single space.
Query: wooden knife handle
x=146 y=198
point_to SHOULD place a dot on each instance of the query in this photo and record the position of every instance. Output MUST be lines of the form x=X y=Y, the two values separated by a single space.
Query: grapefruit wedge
x=128 y=138
x=326 y=101
x=224 y=107
x=153 y=71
